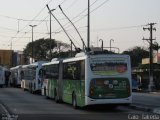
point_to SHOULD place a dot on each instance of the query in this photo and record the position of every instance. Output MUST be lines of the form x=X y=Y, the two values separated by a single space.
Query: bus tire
x=44 y=91
x=47 y=94
x=56 y=96
x=31 y=88
x=74 y=101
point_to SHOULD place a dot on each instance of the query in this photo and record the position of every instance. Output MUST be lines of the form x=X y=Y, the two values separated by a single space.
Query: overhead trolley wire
x=30 y=21
x=39 y=21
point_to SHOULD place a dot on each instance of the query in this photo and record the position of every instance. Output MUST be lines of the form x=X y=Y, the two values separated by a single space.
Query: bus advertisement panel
x=108 y=65
x=112 y=77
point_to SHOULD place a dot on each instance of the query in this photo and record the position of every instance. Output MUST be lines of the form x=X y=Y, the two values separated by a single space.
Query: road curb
x=146 y=109
x=156 y=111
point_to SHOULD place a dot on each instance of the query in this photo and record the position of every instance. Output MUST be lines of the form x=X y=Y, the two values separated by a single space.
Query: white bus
x=89 y=80
x=31 y=80
x=16 y=76
x=4 y=76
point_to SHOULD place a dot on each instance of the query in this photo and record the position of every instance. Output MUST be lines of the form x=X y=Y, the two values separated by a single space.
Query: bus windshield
x=108 y=65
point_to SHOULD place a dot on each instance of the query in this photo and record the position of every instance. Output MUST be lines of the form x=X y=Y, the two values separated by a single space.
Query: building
x=10 y=58
x=18 y=58
x=142 y=72
x=6 y=58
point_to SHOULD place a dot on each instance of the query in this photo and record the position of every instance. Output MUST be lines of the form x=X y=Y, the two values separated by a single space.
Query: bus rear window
x=108 y=66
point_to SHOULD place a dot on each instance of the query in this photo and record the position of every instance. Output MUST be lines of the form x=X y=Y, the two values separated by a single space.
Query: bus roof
x=34 y=64
x=16 y=67
x=50 y=63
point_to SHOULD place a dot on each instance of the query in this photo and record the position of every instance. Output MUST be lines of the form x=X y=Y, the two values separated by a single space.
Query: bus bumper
x=90 y=101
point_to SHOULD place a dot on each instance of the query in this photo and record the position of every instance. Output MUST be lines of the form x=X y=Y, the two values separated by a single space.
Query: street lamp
x=32 y=39
x=110 y=43
x=102 y=43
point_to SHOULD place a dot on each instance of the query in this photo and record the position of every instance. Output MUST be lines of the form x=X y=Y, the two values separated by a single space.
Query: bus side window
x=77 y=70
x=22 y=74
x=82 y=70
x=74 y=70
x=42 y=72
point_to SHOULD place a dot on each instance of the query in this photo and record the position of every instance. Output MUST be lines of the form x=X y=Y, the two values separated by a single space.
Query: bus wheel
x=31 y=88
x=74 y=101
x=56 y=96
x=44 y=91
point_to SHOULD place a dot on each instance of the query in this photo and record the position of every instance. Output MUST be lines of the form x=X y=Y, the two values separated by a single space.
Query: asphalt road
x=16 y=103
x=147 y=99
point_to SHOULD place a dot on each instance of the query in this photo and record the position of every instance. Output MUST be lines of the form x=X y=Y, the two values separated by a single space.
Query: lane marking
x=5 y=110
x=7 y=115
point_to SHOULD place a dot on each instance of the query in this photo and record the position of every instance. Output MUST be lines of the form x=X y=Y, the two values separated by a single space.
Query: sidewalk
x=146 y=101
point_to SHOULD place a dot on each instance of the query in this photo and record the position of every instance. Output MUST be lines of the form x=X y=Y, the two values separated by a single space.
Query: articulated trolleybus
x=30 y=77
x=89 y=80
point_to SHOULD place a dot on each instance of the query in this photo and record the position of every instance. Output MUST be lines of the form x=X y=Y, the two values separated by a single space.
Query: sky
x=119 y=20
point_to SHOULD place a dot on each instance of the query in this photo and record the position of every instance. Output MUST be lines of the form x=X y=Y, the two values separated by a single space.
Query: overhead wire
x=37 y=16
x=7 y=28
x=77 y=15
x=91 y=10
x=119 y=28
x=44 y=20
x=83 y=12
x=31 y=21
x=72 y=4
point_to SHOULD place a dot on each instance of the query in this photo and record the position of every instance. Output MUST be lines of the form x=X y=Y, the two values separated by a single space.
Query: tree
x=136 y=54
x=156 y=46
x=41 y=49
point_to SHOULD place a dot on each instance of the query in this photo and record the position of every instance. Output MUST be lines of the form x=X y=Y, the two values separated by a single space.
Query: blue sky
x=121 y=20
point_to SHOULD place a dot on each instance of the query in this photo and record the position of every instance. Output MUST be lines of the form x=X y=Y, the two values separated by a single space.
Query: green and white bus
x=31 y=79
x=89 y=80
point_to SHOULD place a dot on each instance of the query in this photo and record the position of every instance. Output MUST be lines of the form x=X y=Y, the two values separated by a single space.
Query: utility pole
x=32 y=39
x=50 y=33
x=11 y=43
x=88 y=32
x=151 y=82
